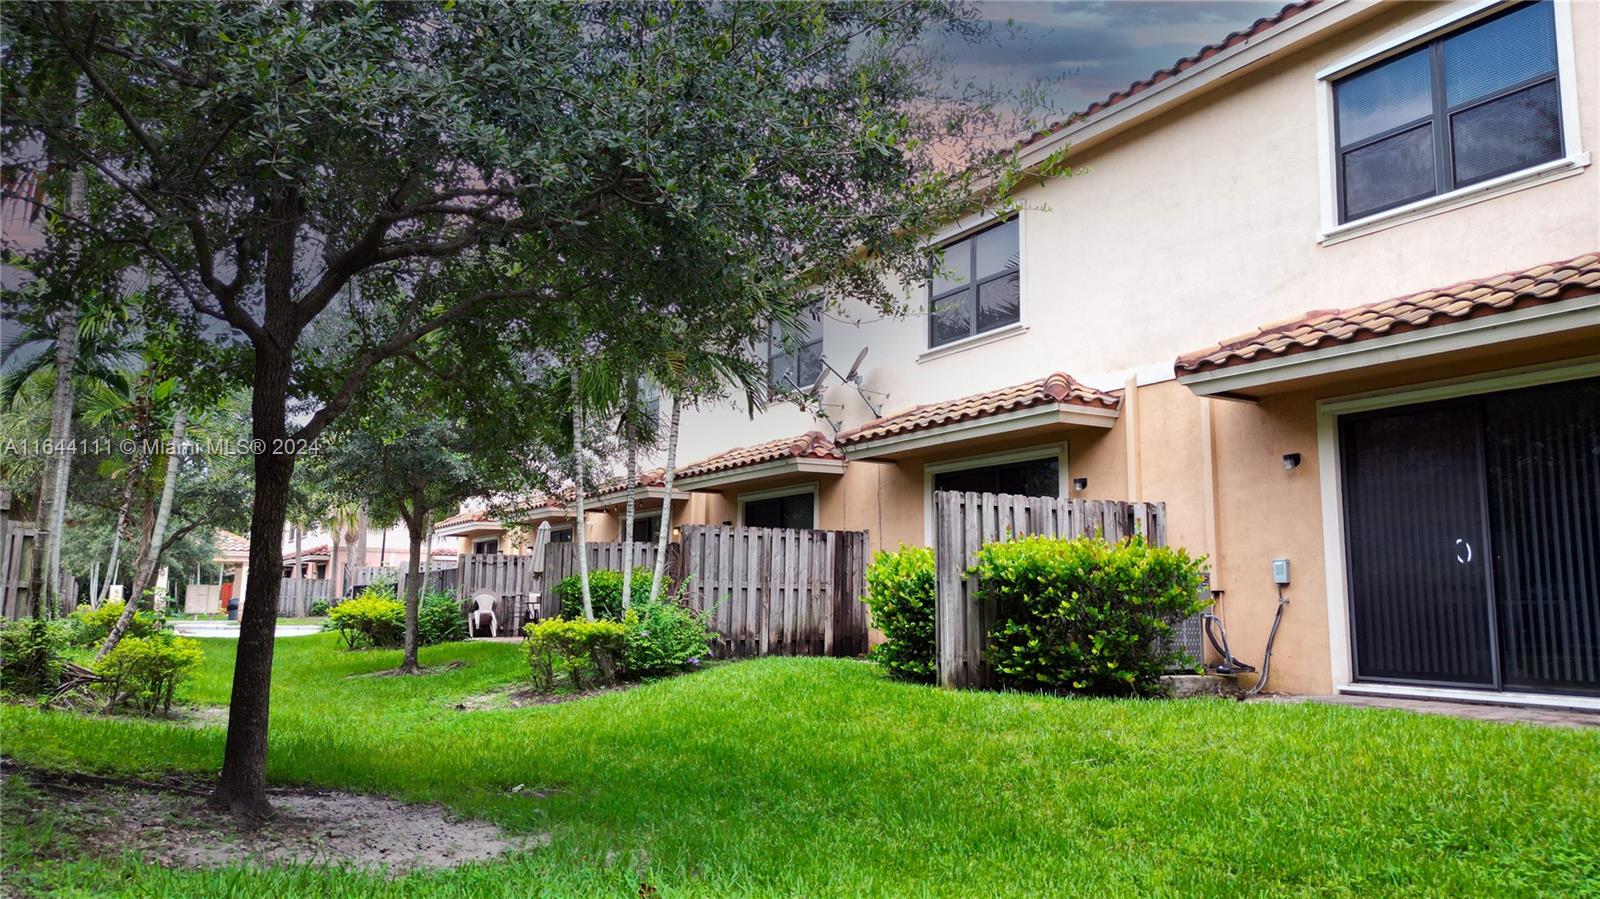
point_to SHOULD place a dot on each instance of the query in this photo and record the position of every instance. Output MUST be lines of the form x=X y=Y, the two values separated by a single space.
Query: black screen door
x=1418 y=557
x=1542 y=447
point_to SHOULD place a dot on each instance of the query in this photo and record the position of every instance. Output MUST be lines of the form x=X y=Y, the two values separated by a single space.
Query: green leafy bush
x=145 y=671
x=1084 y=615
x=587 y=652
x=663 y=637
x=91 y=626
x=605 y=593
x=30 y=656
x=371 y=619
x=900 y=596
x=318 y=608
x=439 y=620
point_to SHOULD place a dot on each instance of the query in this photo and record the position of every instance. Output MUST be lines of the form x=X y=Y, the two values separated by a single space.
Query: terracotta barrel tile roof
x=810 y=445
x=1259 y=27
x=1056 y=388
x=229 y=542
x=655 y=477
x=1541 y=284
x=465 y=518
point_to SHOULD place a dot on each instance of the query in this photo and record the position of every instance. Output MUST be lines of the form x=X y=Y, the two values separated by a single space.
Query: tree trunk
x=299 y=569
x=45 y=587
x=666 y=508
x=359 y=559
x=335 y=534
x=116 y=538
x=414 y=526
x=242 y=787
x=577 y=483
x=630 y=433
x=150 y=552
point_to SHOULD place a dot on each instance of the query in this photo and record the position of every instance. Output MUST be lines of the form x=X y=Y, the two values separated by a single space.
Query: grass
x=818 y=777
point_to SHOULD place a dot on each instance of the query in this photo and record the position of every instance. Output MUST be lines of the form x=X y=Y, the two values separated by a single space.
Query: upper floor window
x=977 y=287
x=794 y=360
x=1466 y=107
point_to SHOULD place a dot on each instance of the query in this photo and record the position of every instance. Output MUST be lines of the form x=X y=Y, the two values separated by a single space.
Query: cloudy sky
x=1086 y=50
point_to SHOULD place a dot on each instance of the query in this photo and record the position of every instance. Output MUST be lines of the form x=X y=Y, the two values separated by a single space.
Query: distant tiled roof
x=1259 y=27
x=229 y=543
x=319 y=549
x=810 y=445
x=655 y=477
x=1470 y=299
x=465 y=518
x=1056 y=388
x=443 y=552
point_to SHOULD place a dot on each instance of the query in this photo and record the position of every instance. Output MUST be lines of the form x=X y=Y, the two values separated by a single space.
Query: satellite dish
x=855 y=367
x=822 y=375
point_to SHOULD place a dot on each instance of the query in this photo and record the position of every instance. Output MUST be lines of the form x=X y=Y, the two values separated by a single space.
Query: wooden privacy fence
x=561 y=562
x=778 y=591
x=438 y=576
x=963 y=522
x=310 y=590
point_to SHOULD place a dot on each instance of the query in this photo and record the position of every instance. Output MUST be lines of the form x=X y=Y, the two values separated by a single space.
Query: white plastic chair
x=483 y=604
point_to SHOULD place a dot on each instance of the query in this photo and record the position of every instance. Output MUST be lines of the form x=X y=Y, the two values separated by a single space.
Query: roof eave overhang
x=746 y=474
x=1249 y=379
x=642 y=494
x=1054 y=415
x=469 y=528
x=1298 y=30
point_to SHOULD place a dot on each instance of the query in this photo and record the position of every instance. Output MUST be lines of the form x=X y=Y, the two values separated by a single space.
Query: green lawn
x=818 y=777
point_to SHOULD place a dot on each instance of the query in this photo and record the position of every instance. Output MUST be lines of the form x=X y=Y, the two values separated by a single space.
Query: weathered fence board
x=964 y=522
x=778 y=591
x=311 y=590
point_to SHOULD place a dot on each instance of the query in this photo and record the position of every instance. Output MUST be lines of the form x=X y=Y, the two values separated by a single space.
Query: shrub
x=318 y=608
x=30 y=656
x=586 y=651
x=439 y=620
x=91 y=626
x=1084 y=615
x=900 y=595
x=663 y=637
x=605 y=593
x=371 y=619
x=146 y=670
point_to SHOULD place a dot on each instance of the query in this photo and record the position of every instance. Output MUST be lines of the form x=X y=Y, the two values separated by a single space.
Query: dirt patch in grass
x=170 y=824
x=526 y=697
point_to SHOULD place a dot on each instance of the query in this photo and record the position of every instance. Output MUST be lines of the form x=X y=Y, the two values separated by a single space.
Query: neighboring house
x=1421 y=447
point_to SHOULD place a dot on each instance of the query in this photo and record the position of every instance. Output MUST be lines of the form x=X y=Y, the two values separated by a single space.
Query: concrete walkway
x=1506 y=714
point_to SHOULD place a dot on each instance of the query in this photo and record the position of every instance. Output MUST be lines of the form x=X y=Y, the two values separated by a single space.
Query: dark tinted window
x=646 y=530
x=1473 y=105
x=975 y=285
x=1036 y=477
x=796 y=511
x=563 y=535
x=794 y=359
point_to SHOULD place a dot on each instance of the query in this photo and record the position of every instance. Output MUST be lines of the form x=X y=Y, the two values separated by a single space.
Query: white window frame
x=566 y=528
x=1057 y=451
x=479 y=541
x=1335 y=562
x=813 y=488
x=1406 y=38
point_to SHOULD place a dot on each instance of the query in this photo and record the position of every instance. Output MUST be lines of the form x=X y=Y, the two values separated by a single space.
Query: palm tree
x=83 y=343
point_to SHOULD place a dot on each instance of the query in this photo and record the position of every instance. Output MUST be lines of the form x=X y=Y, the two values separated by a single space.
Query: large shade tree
x=268 y=157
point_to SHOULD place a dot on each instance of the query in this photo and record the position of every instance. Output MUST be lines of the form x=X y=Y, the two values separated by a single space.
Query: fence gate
x=964 y=522
x=778 y=591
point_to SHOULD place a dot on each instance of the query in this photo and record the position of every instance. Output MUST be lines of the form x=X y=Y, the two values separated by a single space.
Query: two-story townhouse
x=1403 y=190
